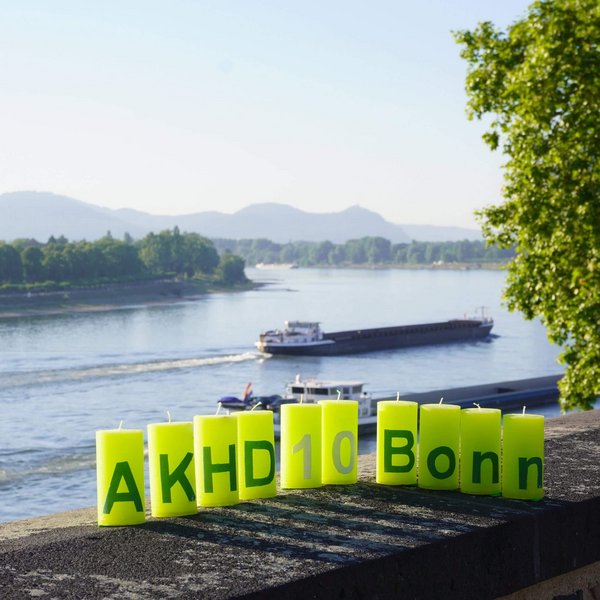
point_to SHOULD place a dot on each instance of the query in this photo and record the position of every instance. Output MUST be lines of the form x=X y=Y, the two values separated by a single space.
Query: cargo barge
x=303 y=338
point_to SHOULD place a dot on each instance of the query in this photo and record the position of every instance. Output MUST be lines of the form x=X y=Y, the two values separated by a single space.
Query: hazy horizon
x=217 y=106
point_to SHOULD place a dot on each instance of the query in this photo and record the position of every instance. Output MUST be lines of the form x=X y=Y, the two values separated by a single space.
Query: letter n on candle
x=120 y=476
x=480 y=451
x=523 y=457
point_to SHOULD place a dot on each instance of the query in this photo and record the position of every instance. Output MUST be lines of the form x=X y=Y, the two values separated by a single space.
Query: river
x=65 y=376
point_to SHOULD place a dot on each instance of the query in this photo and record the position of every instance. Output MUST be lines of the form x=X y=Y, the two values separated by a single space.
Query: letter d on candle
x=120 y=476
x=256 y=454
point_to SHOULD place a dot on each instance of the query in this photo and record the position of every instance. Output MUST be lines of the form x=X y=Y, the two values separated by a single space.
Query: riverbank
x=111 y=296
x=354 y=541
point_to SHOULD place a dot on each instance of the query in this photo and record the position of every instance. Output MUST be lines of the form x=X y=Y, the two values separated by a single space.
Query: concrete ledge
x=359 y=541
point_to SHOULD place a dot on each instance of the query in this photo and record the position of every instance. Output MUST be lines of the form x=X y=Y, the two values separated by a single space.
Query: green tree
x=539 y=81
x=199 y=254
x=378 y=249
x=10 y=264
x=231 y=269
x=31 y=260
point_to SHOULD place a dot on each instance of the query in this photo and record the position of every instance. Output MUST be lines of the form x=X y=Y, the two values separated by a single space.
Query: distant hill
x=39 y=215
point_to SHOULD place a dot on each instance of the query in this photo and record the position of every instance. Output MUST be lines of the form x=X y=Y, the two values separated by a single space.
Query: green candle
x=215 y=449
x=171 y=467
x=523 y=457
x=256 y=454
x=480 y=451
x=396 y=442
x=120 y=476
x=300 y=445
x=439 y=440
x=340 y=435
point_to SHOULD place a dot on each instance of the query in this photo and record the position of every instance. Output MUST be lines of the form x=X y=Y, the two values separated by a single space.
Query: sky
x=193 y=105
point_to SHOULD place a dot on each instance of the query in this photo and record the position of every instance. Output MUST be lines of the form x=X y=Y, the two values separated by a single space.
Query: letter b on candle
x=396 y=442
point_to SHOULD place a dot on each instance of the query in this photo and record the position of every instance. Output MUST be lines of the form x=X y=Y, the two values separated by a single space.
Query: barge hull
x=387 y=338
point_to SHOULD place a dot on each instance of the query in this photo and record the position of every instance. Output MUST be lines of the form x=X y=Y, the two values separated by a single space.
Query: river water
x=63 y=377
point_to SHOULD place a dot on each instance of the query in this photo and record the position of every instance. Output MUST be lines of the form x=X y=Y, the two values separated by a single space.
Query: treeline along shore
x=173 y=264
x=159 y=267
x=29 y=265
x=367 y=251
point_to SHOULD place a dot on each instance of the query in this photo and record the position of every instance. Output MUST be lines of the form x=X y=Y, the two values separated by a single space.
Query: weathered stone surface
x=358 y=541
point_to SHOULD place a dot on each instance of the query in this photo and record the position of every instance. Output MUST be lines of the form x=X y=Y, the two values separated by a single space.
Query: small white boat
x=309 y=391
x=276 y=265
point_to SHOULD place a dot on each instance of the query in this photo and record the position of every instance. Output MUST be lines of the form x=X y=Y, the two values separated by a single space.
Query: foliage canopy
x=539 y=81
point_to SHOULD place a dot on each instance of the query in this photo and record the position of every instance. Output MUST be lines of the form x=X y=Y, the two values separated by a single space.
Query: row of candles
x=220 y=460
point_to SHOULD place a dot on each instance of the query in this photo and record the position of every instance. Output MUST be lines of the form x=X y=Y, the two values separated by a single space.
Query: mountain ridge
x=38 y=215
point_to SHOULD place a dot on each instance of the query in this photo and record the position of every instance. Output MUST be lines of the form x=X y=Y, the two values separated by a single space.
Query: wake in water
x=14 y=380
x=23 y=464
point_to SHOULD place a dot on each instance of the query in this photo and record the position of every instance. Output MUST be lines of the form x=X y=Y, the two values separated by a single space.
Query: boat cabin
x=313 y=390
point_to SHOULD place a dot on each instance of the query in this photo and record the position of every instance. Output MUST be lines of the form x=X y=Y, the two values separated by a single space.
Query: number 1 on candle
x=305 y=445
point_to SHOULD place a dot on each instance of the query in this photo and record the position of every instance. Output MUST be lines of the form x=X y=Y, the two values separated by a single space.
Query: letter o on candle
x=439 y=442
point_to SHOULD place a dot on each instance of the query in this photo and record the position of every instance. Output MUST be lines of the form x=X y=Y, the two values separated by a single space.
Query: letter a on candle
x=120 y=477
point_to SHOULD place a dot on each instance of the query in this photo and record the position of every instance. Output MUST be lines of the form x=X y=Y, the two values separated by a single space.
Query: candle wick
x=219 y=404
x=477 y=405
x=120 y=424
x=301 y=398
x=523 y=410
x=256 y=406
x=397 y=396
x=169 y=415
x=441 y=399
x=339 y=393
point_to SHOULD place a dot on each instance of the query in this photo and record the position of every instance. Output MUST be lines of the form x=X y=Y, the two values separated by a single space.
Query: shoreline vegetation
x=110 y=296
x=61 y=276
x=123 y=295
